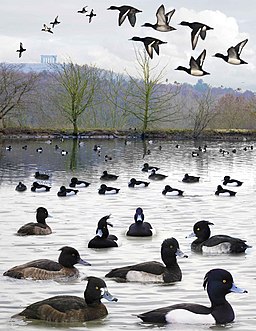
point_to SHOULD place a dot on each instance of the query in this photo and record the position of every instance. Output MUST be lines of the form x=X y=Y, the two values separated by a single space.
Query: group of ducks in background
x=162 y=24
x=219 y=282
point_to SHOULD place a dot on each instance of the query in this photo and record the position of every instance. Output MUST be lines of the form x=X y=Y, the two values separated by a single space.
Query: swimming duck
x=63 y=152
x=91 y=15
x=163 y=20
x=21 y=49
x=154 y=271
x=169 y=191
x=41 y=176
x=231 y=182
x=64 y=192
x=195 y=66
x=233 y=56
x=78 y=183
x=55 y=22
x=137 y=183
x=70 y=309
x=155 y=176
x=150 y=44
x=140 y=228
x=83 y=10
x=21 y=187
x=36 y=187
x=39 y=150
x=147 y=168
x=103 y=239
x=104 y=189
x=8 y=148
x=46 y=29
x=107 y=176
x=47 y=269
x=224 y=192
x=198 y=29
x=190 y=179
x=39 y=228
x=126 y=11
x=219 y=282
x=215 y=244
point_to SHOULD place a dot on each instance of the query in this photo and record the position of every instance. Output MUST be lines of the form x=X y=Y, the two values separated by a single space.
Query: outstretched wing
x=160 y=15
x=200 y=59
x=240 y=46
x=168 y=16
x=194 y=37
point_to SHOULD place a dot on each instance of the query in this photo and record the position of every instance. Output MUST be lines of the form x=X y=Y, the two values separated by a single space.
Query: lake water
x=74 y=221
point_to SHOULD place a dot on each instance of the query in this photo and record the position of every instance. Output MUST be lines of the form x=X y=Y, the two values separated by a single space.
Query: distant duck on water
x=107 y=176
x=21 y=187
x=39 y=228
x=104 y=189
x=195 y=66
x=190 y=179
x=148 y=168
x=224 y=192
x=36 y=187
x=163 y=20
x=42 y=176
x=74 y=182
x=170 y=191
x=64 y=192
x=156 y=176
x=231 y=182
x=234 y=52
x=70 y=308
x=126 y=11
x=137 y=183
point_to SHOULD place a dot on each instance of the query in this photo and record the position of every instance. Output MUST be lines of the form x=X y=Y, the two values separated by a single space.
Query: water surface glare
x=74 y=219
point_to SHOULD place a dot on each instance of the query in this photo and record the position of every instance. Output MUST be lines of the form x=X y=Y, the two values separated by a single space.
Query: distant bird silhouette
x=195 y=66
x=150 y=43
x=126 y=11
x=21 y=50
x=46 y=28
x=83 y=10
x=91 y=15
x=55 y=22
x=234 y=52
x=198 y=29
x=21 y=187
x=224 y=192
x=163 y=20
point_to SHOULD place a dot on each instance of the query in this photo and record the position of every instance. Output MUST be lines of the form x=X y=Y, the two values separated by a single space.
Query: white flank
x=187 y=317
x=218 y=249
x=141 y=276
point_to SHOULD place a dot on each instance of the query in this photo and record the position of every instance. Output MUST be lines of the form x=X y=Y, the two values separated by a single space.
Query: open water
x=74 y=220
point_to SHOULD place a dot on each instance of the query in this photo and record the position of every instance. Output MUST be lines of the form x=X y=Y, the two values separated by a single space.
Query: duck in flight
x=55 y=22
x=195 y=66
x=21 y=50
x=150 y=43
x=126 y=11
x=234 y=52
x=83 y=10
x=91 y=15
x=46 y=29
x=198 y=29
x=163 y=20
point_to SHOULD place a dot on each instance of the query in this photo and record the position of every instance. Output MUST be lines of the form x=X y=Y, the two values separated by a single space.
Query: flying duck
x=137 y=183
x=21 y=49
x=195 y=66
x=21 y=187
x=64 y=192
x=170 y=191
x=198 y=29
x=224 y=192
x=126 y=11
x=39 y=228
x=83 y=10
x=46 y=29
x=231 y=182
x=47 y=269
x=103 y=239
x=163 y=20
x=91 y=15
x=36 y=187
x=154 y=271
x=150 y=44
x=234 y=52
x=74 y=182
x=219 y=283
x=55 y=22
x=70 y=308
x=190 y=179
x=140 y=228
x=217 y=244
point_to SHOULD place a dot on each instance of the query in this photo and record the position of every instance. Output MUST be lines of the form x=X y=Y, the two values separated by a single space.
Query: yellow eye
x=198 y=229
x=224 y=281
x=96 y=288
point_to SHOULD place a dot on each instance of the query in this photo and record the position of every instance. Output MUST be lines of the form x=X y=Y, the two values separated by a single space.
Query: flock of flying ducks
x=162 y=24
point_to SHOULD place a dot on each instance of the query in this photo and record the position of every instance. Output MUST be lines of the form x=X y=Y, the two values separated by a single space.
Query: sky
x=106 y=45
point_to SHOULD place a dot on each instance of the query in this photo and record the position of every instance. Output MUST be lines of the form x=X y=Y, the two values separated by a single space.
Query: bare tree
x=15 y=86
x=77 y=85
